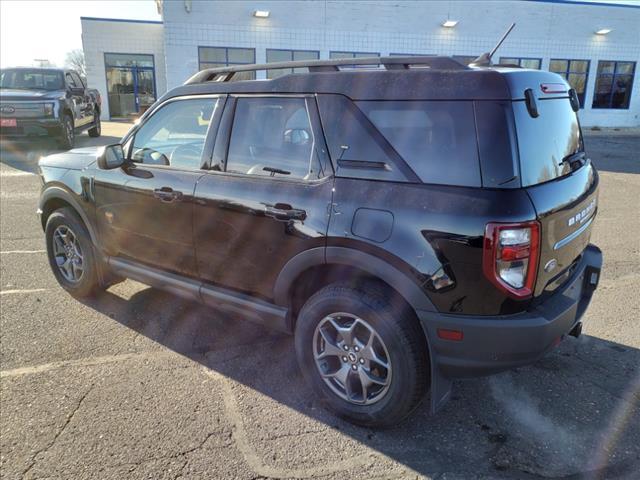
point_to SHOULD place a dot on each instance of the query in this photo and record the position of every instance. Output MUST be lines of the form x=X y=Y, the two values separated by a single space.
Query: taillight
x=510 y=256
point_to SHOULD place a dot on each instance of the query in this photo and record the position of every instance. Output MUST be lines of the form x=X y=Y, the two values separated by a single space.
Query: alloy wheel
x=352 y=358
x=68 y=254
x=68 y=127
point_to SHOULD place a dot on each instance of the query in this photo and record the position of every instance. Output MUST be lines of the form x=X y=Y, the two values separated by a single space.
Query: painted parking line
x=23 y=291
x=82 y=362
x=16 y=174
x=26 y=252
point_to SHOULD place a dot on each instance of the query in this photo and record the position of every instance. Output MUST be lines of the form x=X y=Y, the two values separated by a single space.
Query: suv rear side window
x=437 y=139
x=272 y=136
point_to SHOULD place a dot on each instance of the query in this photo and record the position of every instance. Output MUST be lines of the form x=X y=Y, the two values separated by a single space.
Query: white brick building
x=550 y=34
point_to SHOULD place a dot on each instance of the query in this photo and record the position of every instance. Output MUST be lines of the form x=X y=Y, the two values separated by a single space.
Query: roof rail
x=225 y=74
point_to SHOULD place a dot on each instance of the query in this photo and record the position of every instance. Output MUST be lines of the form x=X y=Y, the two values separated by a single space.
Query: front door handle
x=284 y=212
x=167 y=194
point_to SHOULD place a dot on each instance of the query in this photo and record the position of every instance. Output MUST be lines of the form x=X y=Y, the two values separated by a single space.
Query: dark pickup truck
x=47 y=102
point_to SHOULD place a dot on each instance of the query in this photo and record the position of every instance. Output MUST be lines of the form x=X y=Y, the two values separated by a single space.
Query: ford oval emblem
x=551 y=265
x=7 y=109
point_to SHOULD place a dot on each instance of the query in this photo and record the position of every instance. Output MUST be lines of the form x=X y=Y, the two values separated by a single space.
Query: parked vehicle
x=47 y=102
x=410 y=225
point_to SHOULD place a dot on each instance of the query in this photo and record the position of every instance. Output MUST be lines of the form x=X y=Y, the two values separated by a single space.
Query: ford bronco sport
x=411 y=224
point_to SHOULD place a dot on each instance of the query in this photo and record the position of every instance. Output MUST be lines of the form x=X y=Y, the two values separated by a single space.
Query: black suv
x=413 y=223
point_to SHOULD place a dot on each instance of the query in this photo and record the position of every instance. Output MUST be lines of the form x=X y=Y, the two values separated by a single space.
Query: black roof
x=402 y=78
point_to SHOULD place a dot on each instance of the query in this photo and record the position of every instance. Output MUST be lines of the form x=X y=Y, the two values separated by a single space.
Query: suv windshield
x=546 y=140
x=22 y=79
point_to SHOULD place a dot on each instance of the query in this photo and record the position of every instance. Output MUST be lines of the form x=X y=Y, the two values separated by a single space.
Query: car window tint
x=70 y=81
x=546 y=140
x=76 y=80
x=273 y=137
x=175 y=134
x=437 y=138
x=352 y=138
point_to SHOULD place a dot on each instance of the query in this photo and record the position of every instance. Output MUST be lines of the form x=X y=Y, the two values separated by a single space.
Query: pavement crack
x=68 y=420
x=296 y=434
x=181 y=469
x=254 y=460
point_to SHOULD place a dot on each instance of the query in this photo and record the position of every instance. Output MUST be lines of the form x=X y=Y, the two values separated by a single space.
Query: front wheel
x=363 y=353
x=96 y=130
x=71 y=255
x=67 y=138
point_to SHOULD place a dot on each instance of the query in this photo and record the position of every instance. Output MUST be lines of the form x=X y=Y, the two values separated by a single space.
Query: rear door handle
x=284 y=212
x=167 y=194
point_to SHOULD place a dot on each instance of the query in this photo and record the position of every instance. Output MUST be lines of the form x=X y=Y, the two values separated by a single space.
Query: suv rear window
x=544 y=141
x=437 y=139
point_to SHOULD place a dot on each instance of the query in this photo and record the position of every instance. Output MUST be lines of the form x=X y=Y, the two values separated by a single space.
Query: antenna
x=484 y=60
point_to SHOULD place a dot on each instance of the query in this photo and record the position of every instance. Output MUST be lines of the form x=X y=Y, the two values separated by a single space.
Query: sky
x=32 y=29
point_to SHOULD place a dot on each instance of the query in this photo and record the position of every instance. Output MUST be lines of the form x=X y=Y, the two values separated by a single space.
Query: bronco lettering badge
x=582 y=215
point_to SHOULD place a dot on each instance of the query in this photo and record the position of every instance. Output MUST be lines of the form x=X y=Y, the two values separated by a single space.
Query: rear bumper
x=493 y=344
x=33 y=127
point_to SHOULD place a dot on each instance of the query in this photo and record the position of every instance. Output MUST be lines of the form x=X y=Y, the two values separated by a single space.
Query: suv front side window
x=273 y=137
x=70 y=81
x=175 y=134
x=77 y=80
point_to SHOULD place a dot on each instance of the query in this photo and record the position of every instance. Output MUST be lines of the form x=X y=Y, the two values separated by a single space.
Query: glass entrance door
x=145 y=91
x=130 y=83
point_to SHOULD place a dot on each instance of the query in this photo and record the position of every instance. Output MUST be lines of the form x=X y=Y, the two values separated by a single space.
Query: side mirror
x=76 y=90
x=112 y=156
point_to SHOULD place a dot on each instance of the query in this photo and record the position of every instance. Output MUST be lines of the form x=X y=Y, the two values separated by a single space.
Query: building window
x=131 y=83
x=533 y=63
x=277 y=55
x=613 y=84
x=575 y=72
x=465 y=59
x=212 y=57
x=339 y=55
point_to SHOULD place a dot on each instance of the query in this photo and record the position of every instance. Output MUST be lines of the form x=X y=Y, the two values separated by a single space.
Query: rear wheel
x=96 y=130
x=363 y=353
x=71 y=255
x=67 y=137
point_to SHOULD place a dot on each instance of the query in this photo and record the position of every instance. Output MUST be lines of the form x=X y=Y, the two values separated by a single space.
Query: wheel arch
x=54 y=198
x=315 y=268
x=66 y=110
x=319 y=266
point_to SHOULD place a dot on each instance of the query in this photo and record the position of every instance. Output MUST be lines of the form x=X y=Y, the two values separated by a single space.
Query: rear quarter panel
x=434 y=227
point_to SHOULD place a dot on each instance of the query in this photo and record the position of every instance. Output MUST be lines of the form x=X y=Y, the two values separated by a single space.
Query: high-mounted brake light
x=510 y=256
x=553 y=88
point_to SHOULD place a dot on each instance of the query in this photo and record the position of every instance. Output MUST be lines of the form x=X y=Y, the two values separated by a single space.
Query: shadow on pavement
x=24 y=156
x=572 y=415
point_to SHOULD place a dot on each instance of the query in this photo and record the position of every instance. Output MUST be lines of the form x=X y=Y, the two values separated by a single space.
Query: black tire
x=398 y=328
x=96 y=130
x=67 y=137
x=65 y=219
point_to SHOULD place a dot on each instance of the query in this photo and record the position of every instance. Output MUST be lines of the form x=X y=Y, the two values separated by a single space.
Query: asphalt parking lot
x=137 y=383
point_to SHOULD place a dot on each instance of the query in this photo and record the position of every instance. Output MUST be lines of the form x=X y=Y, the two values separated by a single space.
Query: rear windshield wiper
x=574 y=160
